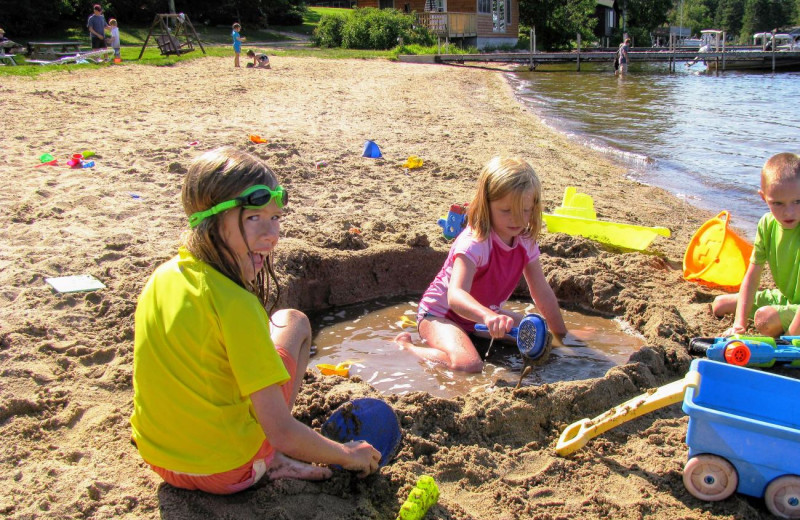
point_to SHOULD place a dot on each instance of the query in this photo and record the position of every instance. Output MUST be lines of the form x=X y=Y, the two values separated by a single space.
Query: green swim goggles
x=254 y=197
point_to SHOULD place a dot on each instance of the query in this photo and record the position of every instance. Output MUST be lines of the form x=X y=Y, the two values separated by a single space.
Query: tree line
x=738 y=18
x=30 y=17
x=556 y=21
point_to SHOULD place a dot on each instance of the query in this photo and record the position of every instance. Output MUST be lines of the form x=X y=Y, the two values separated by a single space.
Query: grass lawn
x=216 y=41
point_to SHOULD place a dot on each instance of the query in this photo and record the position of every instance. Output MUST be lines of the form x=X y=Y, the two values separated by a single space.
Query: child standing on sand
x=214 y=375
x=237 y=43
x=774 y=311
x=484 y=267
x=114 y=36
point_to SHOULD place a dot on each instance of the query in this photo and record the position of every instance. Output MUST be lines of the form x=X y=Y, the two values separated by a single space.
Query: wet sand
x=65 y=391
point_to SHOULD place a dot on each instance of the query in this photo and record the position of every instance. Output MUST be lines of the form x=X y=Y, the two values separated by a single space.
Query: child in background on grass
x=215 y=375
x=260 y=60
x=237 y=43
x=114 y=36
x=775 y=312
x=484 y=267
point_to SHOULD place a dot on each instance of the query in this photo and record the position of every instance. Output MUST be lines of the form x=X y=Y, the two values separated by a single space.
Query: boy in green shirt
x=775 y=312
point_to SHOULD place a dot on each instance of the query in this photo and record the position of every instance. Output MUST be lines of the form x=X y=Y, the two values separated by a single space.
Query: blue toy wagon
x=743 y=434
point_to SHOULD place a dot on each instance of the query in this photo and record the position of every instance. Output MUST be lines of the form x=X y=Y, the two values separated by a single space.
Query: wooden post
x=774 y=45
x=723 y=50
x=579 y=52
x=530 y=63
x=534 y=38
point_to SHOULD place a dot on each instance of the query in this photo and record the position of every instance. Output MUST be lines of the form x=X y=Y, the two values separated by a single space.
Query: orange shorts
x=241 y=478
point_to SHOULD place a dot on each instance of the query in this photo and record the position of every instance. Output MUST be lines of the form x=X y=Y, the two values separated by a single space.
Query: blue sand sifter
x=371 y=150
x=533 y=338
x=366 y=419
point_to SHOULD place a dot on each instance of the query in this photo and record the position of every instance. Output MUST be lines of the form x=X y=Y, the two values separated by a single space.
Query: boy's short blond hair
x=237 y=26
x=113 y=21
x=780 y=167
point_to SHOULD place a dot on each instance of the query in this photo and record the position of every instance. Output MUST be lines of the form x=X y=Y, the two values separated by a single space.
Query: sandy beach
x=66 y=359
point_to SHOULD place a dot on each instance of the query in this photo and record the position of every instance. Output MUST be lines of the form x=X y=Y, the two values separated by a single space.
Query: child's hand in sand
x=730 y=331
x=363 y=458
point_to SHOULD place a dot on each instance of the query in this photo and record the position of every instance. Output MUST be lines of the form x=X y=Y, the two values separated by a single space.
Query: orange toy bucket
x=716 y=255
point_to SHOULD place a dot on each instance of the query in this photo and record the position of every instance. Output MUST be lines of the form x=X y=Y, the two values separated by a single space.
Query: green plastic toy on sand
x=424 y=495
x=576 y=216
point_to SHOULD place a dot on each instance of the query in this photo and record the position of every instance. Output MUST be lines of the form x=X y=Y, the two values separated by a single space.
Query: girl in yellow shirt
x=215 y=376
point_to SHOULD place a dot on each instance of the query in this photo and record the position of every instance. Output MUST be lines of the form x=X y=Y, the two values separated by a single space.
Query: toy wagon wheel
x=709 y=477
x=783 y=497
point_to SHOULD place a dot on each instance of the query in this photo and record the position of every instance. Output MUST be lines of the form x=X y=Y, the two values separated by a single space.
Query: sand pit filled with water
x=357 y=230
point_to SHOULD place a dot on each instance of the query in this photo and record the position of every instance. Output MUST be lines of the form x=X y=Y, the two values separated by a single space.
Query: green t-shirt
x=201 y=347
x=780 y=248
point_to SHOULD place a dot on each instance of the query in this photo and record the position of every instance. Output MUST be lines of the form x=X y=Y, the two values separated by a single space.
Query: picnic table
x=52 y=51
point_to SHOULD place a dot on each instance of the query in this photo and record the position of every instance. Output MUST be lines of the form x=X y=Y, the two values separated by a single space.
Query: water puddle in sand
x=364 y=334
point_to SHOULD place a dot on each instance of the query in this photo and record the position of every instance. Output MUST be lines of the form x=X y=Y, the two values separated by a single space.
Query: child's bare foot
x=404 y=340
x=286 y=467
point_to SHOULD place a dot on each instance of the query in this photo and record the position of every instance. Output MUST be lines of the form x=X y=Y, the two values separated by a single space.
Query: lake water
x=704 y=136
x=364 y=335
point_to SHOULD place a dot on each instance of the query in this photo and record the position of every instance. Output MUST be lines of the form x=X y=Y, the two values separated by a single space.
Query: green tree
x=557 y=22
x=644 y=16
x=729 y=17
x=22 y=19
x=696 y=15
x=766 y=15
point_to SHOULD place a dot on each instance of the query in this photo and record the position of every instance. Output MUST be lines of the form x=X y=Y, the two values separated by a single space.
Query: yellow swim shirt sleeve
x=244 y=326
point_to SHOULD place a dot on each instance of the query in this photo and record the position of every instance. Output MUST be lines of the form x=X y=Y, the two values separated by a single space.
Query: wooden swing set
x=172 y=41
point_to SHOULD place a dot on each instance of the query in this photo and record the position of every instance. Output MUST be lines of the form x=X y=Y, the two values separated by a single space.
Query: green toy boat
x=576 y=216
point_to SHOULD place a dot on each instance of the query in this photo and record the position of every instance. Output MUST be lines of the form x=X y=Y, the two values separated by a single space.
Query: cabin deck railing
x=452 y=25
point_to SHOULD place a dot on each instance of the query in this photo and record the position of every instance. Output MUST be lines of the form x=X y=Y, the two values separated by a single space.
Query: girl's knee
x=292 y=318
x=768 y=321
x=472 y=366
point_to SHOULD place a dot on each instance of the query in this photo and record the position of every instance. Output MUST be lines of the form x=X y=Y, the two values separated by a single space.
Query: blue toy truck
x=751 y=351
x=743 y=436
x=455 y=222
x=743 y=433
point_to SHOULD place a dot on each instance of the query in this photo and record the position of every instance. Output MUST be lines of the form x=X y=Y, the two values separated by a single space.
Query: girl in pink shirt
x=484 y=267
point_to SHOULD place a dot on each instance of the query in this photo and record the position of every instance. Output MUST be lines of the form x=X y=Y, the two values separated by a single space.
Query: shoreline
x=66 y=359
x=648 y=161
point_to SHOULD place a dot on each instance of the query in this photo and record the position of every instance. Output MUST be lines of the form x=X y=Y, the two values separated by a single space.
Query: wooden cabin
x=482 y=23
x=607 y=13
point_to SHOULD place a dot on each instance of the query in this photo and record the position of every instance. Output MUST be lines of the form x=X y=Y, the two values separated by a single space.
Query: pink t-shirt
x=503 y=278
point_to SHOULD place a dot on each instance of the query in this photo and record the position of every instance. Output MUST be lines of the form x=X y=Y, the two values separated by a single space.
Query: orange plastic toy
x=716 y=255
x=342 y=369
x=257 y=139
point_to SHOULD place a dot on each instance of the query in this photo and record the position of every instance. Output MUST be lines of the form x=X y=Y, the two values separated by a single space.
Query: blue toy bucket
x=371 y=150
x=366 y=419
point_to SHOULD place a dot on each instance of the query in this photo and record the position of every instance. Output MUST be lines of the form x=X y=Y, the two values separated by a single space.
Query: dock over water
x=716 y=60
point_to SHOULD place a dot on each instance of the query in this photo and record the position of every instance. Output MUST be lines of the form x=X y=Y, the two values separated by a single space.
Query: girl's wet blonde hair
x=501 y=176
x=217 y=176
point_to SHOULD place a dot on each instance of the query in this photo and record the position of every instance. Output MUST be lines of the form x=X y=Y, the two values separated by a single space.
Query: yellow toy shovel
x=577 y=434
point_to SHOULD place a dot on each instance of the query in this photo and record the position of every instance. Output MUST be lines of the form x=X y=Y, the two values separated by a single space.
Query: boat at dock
x=770 y=51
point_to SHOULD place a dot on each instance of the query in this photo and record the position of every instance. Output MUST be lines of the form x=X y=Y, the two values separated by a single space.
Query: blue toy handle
x=483 y=328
